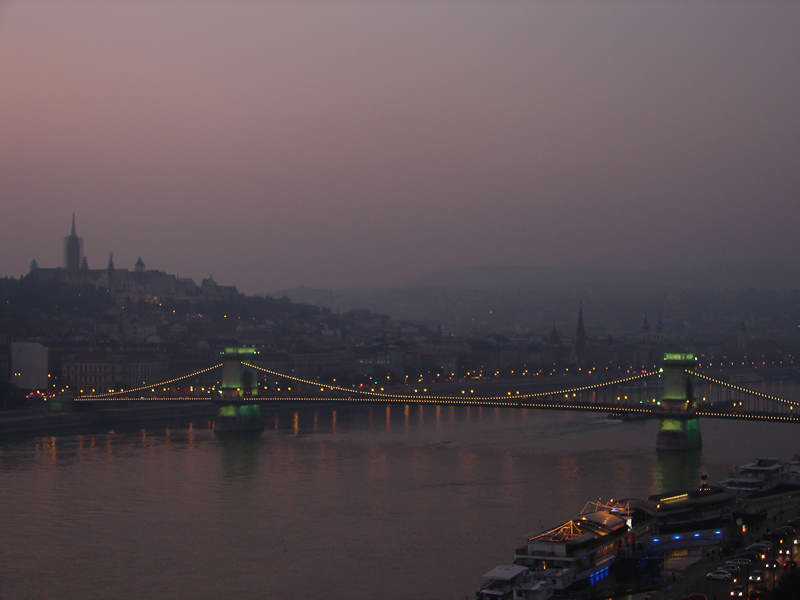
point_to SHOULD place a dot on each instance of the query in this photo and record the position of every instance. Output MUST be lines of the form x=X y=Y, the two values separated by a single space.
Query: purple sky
x=342 y=143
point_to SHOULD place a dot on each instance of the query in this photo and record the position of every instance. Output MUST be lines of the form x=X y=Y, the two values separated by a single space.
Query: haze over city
x=356 y=144
x=391 y=299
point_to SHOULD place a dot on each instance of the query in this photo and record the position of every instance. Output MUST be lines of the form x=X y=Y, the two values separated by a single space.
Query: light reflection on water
x=361 y=502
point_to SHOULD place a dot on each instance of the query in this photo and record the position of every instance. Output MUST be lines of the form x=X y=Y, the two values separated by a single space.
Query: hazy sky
x=346 y=143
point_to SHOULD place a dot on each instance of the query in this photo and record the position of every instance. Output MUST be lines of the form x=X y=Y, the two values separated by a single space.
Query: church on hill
x=127 y=285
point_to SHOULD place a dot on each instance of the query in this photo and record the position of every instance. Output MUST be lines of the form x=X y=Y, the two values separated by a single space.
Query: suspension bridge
x=676 y=393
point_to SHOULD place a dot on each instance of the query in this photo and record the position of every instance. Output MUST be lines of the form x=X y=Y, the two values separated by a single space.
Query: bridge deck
x=571 y=405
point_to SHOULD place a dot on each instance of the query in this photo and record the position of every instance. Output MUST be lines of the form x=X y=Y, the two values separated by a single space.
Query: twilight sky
x=338 y=143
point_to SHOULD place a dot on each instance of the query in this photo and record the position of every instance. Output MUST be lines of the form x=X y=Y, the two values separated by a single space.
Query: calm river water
x=330 y=503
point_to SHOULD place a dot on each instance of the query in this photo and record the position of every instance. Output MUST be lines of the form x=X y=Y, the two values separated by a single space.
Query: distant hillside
x=522 y=300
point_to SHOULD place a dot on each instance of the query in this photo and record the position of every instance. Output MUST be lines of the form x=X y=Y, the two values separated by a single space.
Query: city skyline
x=348 y=299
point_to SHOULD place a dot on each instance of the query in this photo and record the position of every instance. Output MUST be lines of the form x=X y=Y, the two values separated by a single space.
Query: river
x=350 y=502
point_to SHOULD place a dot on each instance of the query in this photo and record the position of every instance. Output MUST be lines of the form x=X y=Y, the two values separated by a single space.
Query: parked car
x=756 y=575
x=719 y=575
x=738 y=562
x=729 y=566
x=737 y=591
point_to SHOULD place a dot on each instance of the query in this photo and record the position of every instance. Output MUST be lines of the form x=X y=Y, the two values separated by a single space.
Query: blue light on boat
x=676 y=537
x=656 y=539
x=717 y=532
x=696 y=534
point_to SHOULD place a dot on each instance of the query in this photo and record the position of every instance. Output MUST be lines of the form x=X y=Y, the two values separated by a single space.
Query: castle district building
x=127 y=285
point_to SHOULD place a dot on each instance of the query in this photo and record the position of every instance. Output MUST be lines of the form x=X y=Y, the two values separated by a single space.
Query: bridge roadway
x=633 y=394
x=572 y=404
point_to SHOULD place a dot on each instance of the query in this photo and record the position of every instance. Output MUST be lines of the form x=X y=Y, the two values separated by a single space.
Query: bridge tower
x=236 y=414
x=238 y=380
x=680 y=427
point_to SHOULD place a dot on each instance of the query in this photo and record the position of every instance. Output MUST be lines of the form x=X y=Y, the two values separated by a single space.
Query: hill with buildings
x=110 y=328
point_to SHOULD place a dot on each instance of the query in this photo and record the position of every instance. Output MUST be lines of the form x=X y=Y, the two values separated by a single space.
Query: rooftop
x=505 y=572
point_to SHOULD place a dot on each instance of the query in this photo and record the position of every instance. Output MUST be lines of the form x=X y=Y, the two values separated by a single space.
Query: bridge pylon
x=680 y=427
x=239 y=382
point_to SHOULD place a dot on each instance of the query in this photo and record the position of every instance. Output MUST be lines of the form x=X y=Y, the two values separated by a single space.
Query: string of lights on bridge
x=518 y=400
x=457 y=401
x=113 y=395
x=516 y=395
x=745 y=390
x=468 y=402
x=748 y=416
x=151 y=387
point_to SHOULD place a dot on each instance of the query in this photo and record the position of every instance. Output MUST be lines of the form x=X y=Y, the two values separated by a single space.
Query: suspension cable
x=739 y=388
x=153 y=385
x=331 y=387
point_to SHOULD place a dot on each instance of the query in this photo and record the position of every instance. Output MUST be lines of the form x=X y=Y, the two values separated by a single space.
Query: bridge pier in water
x=236 y=414
x=680 y=426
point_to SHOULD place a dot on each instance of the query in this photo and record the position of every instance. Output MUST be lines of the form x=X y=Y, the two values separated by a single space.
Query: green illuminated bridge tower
x=238 y=384
x=680 y=428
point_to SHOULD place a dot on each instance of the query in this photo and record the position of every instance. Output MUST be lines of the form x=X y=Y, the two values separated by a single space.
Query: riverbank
x=693 y=580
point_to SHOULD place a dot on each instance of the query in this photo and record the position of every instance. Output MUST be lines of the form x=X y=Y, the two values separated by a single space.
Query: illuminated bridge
x=676 y=393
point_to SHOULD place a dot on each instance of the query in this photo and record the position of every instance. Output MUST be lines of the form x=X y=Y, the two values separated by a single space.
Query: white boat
x=761 y=476
x=513 y=582
x=580 y=549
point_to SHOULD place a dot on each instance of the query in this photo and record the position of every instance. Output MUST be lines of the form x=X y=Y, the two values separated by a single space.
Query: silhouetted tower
x=645 y=333
x=34 y=265
x=73 y=251
x=110 y=272
x=659 y=330
x=139 y=265
x=580 y=339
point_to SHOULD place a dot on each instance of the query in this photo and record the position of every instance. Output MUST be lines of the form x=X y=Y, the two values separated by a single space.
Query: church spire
x=73 y=250
x=580 y=334
x=580 y=338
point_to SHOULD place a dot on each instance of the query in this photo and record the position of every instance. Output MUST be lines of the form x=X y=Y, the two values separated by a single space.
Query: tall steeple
x=580 y=333
x=580 y=338
x=73 y=251
x=645 y=334
x=110 y=272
